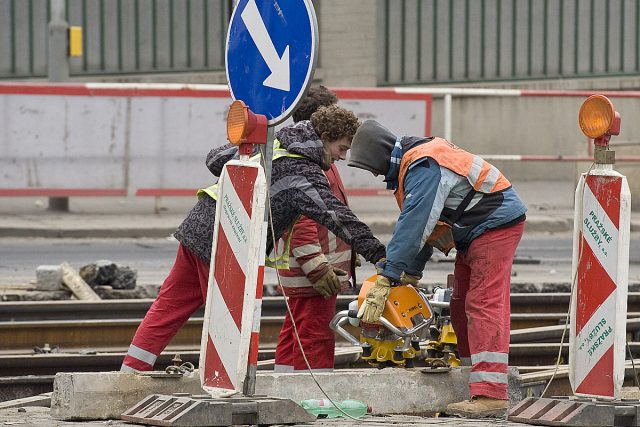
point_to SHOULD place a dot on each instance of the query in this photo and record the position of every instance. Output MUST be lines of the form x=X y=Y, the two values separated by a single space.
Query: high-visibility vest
x=281 y=260
x=483 y=176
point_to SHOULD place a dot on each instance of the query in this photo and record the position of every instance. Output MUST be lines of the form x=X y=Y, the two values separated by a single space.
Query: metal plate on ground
x=575 y=412
x=196 y=411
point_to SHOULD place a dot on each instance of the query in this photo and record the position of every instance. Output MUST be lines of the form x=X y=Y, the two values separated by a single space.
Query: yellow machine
x=412 y=327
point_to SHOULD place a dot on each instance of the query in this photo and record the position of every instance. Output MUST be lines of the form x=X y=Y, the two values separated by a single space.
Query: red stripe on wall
x=243 y=179
x=63 y=192
x=230 y=278
x=607 y=190
x=600 y=380
x=388 y=93
x=378 y=93
x=191 y=192
x=595 y=286
x=72 y=89
x=215 y=373
x=166 y=192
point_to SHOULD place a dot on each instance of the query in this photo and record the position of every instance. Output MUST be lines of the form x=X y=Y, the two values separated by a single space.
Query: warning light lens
x=237 y=122
x=596 y=116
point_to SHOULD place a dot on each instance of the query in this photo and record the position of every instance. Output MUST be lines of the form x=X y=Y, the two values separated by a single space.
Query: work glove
x=409 y=279
x=357 y=262
x=373 y=305
x=329 y=284
x=442 y=238
x=380 y=265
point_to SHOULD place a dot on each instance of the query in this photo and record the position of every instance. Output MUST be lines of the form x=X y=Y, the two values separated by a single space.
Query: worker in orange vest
x=449 y=197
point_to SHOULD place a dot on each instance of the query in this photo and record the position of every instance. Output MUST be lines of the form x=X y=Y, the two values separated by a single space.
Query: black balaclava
x=371 y=148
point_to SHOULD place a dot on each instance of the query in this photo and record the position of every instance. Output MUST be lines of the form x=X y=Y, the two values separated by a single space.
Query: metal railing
x=119 y=36
x=456 y=41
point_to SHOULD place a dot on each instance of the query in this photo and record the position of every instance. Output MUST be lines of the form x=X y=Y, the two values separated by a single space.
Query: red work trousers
x=481 y=308
x=182 y=293
x=312 y=316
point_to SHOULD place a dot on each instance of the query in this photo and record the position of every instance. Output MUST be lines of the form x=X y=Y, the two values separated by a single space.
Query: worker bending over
x=444 y=191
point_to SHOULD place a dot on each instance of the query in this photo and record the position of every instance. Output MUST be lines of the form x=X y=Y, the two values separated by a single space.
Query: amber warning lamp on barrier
x=599 y=120
x=245 y=128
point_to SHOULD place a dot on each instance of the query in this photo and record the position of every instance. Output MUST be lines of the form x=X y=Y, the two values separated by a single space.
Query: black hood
x=301 y=138
x=371 y=148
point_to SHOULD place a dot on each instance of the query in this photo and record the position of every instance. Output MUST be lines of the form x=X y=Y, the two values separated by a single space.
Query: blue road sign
x=271 y=54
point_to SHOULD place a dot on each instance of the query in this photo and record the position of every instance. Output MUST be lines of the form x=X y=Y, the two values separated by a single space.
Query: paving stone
x=49 y=278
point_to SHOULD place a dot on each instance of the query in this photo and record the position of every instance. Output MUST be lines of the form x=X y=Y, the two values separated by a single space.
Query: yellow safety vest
x=281 y=261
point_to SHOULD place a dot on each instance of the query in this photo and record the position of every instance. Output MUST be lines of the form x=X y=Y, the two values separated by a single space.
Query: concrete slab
x=106 y=395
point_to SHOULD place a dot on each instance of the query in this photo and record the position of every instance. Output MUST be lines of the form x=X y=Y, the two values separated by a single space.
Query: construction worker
x=448 y=196
x=298 y=187
x=313 y=250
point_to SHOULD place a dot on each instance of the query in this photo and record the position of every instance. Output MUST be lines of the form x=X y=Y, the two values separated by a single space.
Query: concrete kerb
x=106 y=395
x=91 y=225
x=534 y=224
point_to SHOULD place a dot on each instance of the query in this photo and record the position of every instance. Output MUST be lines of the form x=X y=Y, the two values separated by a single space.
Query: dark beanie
x=371 y=148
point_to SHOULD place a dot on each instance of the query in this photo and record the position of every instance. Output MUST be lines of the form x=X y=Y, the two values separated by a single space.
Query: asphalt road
x=154 y=257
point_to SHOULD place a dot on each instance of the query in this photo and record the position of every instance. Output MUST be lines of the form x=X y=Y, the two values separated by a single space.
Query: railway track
x=93 y=336
x=271 y=306
x=521 y=354
x=98 y=334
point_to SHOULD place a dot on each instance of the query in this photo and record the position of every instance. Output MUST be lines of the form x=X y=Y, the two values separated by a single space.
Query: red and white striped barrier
x=230 y=335
x=599 y=301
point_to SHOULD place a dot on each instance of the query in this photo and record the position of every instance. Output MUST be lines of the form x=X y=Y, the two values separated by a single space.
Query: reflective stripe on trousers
x=182 y=293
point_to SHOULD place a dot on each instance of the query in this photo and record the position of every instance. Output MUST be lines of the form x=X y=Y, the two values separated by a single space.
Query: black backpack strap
x=462 y=206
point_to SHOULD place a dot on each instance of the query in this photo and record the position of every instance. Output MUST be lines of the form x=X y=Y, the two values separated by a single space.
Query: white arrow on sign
x=279 y=66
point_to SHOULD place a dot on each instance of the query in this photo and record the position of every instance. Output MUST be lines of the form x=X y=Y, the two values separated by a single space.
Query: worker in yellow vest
x=448 y=196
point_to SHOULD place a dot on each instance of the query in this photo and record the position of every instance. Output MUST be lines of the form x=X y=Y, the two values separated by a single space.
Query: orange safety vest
x=483 y=176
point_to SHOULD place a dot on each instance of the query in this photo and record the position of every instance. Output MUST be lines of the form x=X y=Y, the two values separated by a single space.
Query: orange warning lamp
x=245 y=128
x=599 y=120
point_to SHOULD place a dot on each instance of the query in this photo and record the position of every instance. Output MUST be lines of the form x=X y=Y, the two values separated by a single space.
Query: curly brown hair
x=334 y=121
x=317 y=96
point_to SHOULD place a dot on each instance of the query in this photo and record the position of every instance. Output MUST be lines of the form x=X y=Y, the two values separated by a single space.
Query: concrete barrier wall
x=132 y=137
x=117 y=136
x=538 y=126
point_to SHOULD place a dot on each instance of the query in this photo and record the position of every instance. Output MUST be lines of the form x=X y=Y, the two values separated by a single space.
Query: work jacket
x=434 y=177
x=313 y=247
x=298 y=187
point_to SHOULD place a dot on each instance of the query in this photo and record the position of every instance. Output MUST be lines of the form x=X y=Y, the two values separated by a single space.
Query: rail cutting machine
x=414 y=325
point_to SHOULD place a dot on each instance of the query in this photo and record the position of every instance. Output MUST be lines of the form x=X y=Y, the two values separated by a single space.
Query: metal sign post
x=271 y=56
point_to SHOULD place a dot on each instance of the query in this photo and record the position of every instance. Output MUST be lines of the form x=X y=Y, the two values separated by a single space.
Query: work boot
x=479 y=407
